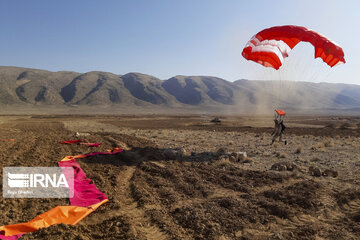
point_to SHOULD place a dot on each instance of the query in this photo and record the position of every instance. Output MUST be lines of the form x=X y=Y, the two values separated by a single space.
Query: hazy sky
x=165 y=38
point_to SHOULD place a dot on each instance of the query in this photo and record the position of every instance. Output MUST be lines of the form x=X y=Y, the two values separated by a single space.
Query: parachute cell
x=271 y=46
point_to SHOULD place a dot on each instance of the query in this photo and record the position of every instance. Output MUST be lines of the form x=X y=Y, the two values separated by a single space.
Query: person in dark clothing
x=279 y=127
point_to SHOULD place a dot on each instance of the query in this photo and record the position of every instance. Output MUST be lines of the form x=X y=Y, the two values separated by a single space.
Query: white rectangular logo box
x=38 y=182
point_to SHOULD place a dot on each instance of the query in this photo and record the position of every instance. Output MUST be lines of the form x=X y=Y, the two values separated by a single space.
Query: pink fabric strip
x=85 y=192
x=11 y=237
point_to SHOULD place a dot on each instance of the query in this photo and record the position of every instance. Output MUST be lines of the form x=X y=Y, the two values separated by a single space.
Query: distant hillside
x=28 y=88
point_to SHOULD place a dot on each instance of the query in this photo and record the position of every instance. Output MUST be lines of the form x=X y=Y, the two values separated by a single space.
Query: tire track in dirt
x=140 y=225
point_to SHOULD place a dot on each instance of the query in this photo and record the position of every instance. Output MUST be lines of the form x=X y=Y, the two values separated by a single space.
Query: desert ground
x=182 y=177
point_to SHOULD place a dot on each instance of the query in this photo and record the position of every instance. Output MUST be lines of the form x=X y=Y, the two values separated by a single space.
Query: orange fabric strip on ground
x=60 y=214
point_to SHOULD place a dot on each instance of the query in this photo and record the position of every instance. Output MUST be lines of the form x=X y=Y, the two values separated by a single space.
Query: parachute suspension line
x=283 y=86
x=253 y=70
x=319 y=74
x=316 y=75
x=265 y=49
x=280 y=88
x=309 y=72
x=313 y=72
x=327 y=74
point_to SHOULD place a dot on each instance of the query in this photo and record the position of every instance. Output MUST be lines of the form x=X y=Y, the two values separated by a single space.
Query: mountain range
x=31 y=88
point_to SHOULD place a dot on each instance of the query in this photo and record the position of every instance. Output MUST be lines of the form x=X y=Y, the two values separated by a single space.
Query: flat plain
x=185 y=177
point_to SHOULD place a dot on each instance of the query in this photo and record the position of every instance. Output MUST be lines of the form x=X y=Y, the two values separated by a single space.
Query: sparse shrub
x=319 y=147
x=330 y=173
x=223 y=162
x=329 y=143
x=299 y=149
x=232 y=159
x=281 y=155
x=315 y=159
x=331 y=125
x=221 y=151
x=283 y=166
x=347 y=125
x=181 y=152
x=322 y=149
x=315 y=171
x=241 y=156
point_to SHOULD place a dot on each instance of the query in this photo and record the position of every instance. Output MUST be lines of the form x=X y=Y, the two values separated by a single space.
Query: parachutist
x=279 y=127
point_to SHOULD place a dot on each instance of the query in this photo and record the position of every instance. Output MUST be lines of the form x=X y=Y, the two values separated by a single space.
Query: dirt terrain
x=183 y=178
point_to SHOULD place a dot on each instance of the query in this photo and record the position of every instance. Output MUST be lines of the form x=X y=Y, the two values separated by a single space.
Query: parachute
x=271 y=46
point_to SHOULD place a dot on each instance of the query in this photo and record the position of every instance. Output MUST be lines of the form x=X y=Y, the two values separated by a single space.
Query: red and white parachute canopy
x=271 y=46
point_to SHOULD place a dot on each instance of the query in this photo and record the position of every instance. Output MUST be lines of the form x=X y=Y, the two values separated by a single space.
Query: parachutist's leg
x=276 y=135
x=274 y=138
x=281 y=139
